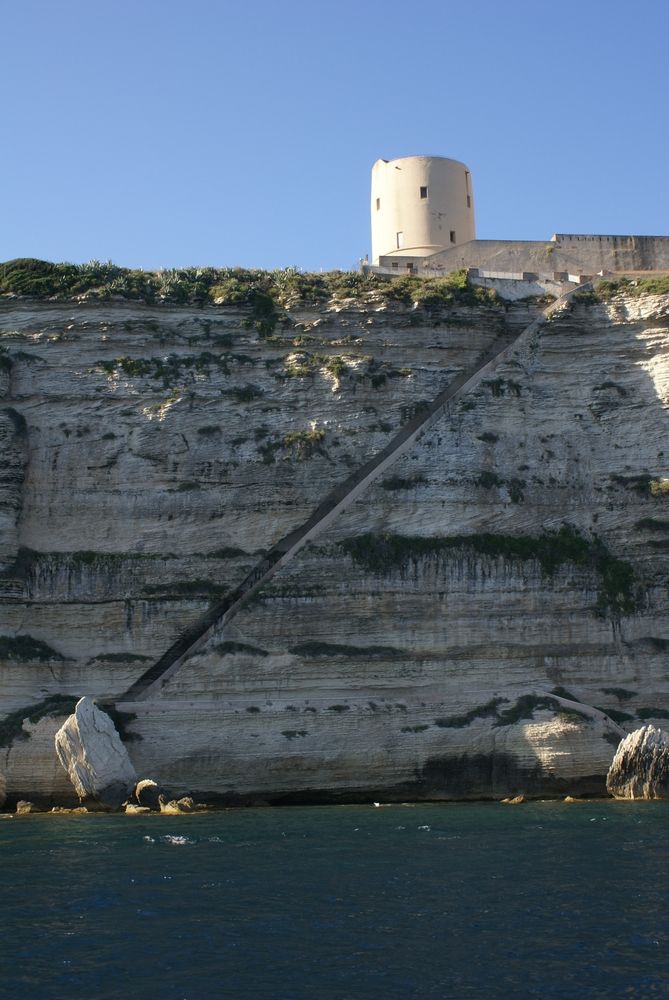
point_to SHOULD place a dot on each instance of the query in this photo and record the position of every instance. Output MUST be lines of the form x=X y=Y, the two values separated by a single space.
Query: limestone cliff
x=445 y=637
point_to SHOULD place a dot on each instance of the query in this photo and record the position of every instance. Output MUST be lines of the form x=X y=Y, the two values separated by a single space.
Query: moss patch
x=185 y=589
x=121 y=658
x=11 y=727
x=314 y=648
x=619 y=590
x=562 y=692
x=121 y=722
x=652 y=713
x=525 y=708
x=622 y=694
x=615 y=714
x=652 y=524
x=490 y=709
x=167 y=370
x=26 y=648
x=398 y=483
x=230 y=647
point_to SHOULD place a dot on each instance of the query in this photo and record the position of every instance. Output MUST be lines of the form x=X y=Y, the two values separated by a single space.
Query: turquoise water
x=478 y=900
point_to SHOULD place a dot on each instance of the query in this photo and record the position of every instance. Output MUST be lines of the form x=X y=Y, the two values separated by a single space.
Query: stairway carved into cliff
x=336 y=501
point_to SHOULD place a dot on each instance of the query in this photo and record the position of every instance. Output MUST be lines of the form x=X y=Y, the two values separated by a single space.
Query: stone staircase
x=197 y=635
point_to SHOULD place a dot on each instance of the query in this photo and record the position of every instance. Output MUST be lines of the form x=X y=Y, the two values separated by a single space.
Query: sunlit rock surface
x=640 y=768
x=91 y=751
x=155 y=452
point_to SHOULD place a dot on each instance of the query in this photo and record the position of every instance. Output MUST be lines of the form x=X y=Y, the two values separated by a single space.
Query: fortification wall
x=564 y=253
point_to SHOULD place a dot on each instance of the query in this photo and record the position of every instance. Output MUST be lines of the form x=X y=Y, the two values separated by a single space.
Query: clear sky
x=163 y=133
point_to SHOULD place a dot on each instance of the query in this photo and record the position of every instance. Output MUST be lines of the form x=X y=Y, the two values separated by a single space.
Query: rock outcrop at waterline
x=147 y=793
x=91 y=751
x=419 y=648
x=640 y=768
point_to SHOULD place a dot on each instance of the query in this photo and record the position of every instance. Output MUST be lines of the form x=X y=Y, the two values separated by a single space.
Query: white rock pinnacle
x=91 y=751
x=640 y=768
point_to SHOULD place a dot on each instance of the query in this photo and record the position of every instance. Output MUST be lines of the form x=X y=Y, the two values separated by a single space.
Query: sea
x=543 y=899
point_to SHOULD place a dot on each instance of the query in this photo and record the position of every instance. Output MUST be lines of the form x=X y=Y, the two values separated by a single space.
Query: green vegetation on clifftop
x=604 y=290
x=266 y=293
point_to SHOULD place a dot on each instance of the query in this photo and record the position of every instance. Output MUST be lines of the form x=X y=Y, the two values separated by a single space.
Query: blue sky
x=157 y=133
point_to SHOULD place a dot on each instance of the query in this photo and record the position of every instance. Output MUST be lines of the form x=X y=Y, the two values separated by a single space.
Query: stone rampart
x=566 y=253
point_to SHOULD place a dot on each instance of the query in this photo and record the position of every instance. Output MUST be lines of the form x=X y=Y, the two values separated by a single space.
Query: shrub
x=304 y=443
x=605 y=290
x=39 y=278
x=435 y=293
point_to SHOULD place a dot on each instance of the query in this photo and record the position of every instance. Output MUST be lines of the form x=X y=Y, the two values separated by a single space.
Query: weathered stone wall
x=566 y=253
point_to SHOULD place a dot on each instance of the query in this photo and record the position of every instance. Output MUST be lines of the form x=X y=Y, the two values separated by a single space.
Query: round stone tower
x=420 y=205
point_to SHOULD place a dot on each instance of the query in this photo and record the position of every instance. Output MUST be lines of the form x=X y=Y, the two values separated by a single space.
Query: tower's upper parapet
x=420 y=205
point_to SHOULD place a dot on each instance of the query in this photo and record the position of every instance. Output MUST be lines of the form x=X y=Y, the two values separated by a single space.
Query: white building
x=420 y=205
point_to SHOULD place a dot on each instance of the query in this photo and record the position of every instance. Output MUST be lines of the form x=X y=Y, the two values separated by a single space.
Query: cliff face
x=432 y=642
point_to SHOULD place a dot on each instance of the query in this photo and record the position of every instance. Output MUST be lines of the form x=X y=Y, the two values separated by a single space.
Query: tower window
x=469 y=201
x=452 y=235
x=400 y=240
x=423 y=192
x=378 y=204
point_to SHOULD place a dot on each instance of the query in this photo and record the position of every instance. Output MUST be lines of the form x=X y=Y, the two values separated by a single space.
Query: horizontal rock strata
x=419 y=648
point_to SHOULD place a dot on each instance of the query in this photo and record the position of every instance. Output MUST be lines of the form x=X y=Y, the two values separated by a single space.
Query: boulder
x=176 y=807
x=132 y=810
x=91 y=751
x=640 y=768
x=23 y=808
x=147 y=793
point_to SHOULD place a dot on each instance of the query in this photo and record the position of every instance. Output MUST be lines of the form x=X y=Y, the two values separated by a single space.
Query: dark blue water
x=540 y=900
